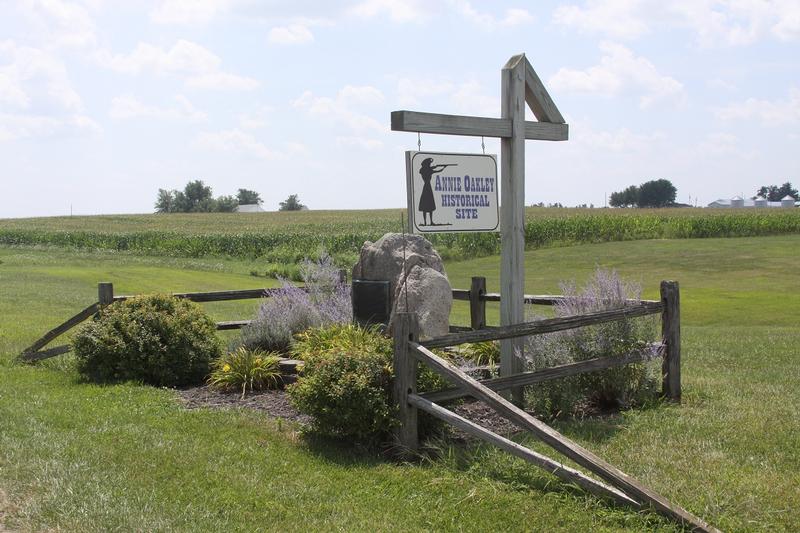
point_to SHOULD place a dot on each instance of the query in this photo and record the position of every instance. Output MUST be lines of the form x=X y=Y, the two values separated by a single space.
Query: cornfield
x=289 y=237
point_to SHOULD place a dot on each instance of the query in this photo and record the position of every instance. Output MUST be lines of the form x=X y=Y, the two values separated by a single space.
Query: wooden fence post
x=105 y=293
x=343 y=276
x=406 y=328
x=671 y=333
x=477 y=306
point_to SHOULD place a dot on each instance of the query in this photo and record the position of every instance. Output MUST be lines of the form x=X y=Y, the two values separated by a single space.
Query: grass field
x=81 y=457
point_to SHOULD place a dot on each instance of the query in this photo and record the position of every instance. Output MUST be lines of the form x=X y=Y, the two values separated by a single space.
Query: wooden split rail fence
x=409 y=352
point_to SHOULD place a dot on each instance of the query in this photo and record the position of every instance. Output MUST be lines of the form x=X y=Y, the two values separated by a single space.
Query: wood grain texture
x=218 y=296
x=565 y=473
x=30 y=357
x=538 y=327
x=562 y=444
x=406 y=330
x=540 y=376
x=416 y=121
x=232 y=324
x=477 y=305
x=538 y=99
x=512 y=216
x=61 y=329
x=671 y=334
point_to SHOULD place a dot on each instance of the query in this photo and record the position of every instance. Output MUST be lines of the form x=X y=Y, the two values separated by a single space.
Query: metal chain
x=483 y=146
x=419 y=142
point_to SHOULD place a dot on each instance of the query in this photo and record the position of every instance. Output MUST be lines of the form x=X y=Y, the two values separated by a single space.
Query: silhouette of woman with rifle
x=427 y=204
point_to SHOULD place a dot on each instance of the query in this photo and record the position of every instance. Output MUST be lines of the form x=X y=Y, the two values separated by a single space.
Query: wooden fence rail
x=408 y=352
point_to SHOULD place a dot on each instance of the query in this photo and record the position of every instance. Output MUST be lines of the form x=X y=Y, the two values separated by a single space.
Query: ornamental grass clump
x=619 y=387
x=156 y=339
x=324 y=300
x=243 y=368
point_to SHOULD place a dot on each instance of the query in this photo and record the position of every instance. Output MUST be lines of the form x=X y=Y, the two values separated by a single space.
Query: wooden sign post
x=520 y=86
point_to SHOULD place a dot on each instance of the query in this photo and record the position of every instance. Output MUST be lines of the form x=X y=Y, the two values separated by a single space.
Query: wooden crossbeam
x=540 y=376
x=561 y=471
x=61 y=329
x=548 y=325
x=560 y=443
x=415 y=121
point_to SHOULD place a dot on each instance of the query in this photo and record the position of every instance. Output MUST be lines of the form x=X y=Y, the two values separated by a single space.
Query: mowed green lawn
x=82 y=457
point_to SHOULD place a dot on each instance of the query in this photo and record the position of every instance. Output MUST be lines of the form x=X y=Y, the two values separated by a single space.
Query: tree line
x=773 y=193
x=197 y=197
x=653 y=193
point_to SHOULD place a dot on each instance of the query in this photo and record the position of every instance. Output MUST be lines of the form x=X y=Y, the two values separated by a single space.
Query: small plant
x=156 y=339
x=484 y=353
x=324 y=300
x=245 y=368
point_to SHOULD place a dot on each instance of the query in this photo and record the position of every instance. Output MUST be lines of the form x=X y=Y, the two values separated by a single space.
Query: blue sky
x=104 y=102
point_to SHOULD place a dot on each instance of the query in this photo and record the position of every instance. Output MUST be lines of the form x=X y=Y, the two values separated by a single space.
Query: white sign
x=452 y=192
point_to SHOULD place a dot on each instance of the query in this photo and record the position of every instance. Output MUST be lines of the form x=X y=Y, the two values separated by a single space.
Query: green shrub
x=156 y=339
x=242 y=368
x=346 y=384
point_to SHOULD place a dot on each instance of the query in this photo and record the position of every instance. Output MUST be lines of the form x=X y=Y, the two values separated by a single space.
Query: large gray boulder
x=417 y=277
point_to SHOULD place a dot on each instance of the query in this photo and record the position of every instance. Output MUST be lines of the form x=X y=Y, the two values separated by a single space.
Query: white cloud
x=778 y=112
x=256 y=119
x=35 y=76
x=26 y=126
x=714 y=22
x=619 y=69
x=189 y=12
x=36 y=96
x=622 y=19
x=363 y=143
x=200 y=67
x=128 y=107
x=63 y=23
x=513 y=16
x=291 y=34
x=240 y=142
x=339 y=109
x=621 y=140
x=398 y=10
x=410 y=91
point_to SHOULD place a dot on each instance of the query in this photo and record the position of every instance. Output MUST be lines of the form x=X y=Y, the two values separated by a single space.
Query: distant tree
x=246 y=196
x=292 y=203
x=226 y=204
x=165 y=203
x=198 y=197
x=628 y=197
x=653 y=193
x=657 y=193
x=773 y=193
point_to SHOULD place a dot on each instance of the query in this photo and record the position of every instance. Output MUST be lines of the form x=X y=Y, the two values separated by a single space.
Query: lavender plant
x=324 y=300
x=618 y=387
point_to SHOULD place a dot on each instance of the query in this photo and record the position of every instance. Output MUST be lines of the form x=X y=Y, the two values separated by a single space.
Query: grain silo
x=787 y=201
x=737 y=201
x=760 y=201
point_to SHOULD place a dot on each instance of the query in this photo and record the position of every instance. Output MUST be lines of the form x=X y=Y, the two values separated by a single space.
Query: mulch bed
x=275 y=404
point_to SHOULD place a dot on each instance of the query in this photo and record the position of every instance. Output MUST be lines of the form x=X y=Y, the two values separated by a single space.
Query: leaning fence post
x=343 y=276
x=105 y=293
x=406 y=328
x=671 y=333
x=477 y=306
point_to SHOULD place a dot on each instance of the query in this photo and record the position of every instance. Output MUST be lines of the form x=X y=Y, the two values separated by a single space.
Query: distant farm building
x=249 y=208
x=738 y=201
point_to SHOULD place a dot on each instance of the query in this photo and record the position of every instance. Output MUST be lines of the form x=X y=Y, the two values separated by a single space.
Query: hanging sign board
x=452 y=192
